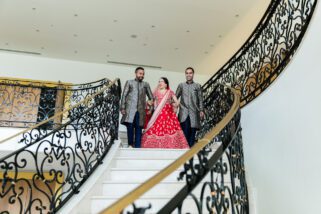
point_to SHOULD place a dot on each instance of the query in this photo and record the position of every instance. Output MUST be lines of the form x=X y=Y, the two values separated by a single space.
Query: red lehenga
x=163 y=129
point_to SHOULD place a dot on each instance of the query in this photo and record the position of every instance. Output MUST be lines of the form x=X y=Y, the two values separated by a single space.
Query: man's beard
x=140 y=78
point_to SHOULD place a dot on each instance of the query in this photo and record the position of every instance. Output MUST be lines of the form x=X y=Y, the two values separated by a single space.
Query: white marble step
x=157 y=202
x=141 y=162
x=119 y=189
x=136 y=175
x=151 y=153
x=165 y=188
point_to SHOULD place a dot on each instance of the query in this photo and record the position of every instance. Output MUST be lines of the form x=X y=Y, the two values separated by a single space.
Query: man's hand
x=202 y=115
x=123 y=111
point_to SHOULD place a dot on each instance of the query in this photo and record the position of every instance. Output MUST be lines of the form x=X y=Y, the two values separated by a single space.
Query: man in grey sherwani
x=132 y=106
x=191 y=109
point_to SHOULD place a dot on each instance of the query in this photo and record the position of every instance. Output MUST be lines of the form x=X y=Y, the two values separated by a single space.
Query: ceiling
x=169 y=34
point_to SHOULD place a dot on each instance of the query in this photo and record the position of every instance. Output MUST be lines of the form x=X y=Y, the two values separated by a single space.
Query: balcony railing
x=48 y=170
x=24 y=103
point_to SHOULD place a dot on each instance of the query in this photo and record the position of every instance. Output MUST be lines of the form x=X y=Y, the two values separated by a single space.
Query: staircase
x=130 y=168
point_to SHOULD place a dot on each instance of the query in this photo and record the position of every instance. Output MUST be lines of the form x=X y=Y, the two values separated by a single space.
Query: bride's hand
x=175 y=108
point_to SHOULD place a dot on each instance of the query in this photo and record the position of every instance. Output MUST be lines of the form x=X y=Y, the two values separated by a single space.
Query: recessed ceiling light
x=33 y=8
x=176 y=49
x=38 y=30
x=51 y=25
x=237 y=15
x=7 y=43
x=219 y=36
x=134 y=36
x=144 y=44
x=187 y=31
x=107 y=55
x=42 y=48
x=75 y=52
x=153 y=26
x=205 y=52
x=115 y=20
x=212 y=45
x=111 y=40
x=75 y=35
x=75 y=15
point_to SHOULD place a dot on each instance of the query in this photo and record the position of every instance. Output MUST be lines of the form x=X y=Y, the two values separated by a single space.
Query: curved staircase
x=132 y=167
x=211 y=174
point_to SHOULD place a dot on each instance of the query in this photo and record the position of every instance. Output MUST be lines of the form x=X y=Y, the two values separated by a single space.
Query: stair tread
x=138 y=169
x=142 y=197
x=150 y=149
x=144 y=158
x=138 y=182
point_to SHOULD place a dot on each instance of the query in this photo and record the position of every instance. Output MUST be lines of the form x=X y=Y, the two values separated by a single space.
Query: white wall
x=42 y=68
x=282 y=134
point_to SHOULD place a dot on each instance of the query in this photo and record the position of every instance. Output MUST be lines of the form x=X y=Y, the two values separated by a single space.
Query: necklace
x=162 y=90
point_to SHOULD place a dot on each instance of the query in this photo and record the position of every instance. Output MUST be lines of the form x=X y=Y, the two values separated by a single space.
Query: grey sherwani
x=191 y=102
x=134 y=99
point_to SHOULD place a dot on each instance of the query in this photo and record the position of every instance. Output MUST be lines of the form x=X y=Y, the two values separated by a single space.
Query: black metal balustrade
x=217 y=171
x=24 y=104
x=267 y=51
x=60 y=159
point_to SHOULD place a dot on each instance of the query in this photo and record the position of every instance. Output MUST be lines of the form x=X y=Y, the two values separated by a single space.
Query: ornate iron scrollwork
x=61 y=159
x=267 y=51
x=24 y=105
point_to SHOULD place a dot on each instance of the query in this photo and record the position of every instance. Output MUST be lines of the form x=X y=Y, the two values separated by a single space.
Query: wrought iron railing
x=214 y=165
x=49 y=169
x=24 y=103
x=267 y=51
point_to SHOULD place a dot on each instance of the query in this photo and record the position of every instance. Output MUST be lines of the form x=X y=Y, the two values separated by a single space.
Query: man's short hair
x=190 y=68
x=139 y=68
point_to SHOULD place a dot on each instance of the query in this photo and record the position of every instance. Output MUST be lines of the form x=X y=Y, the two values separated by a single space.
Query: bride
x=163 y=129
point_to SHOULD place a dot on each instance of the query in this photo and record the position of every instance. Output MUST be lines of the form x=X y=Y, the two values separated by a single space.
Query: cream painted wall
x=232 y=42
x=282 y=134
x=41 y=68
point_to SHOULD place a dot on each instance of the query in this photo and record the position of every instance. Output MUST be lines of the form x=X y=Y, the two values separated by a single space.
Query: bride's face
x=161 y=84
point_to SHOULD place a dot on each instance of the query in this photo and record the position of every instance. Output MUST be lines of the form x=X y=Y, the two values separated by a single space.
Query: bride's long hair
x=166 y=82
